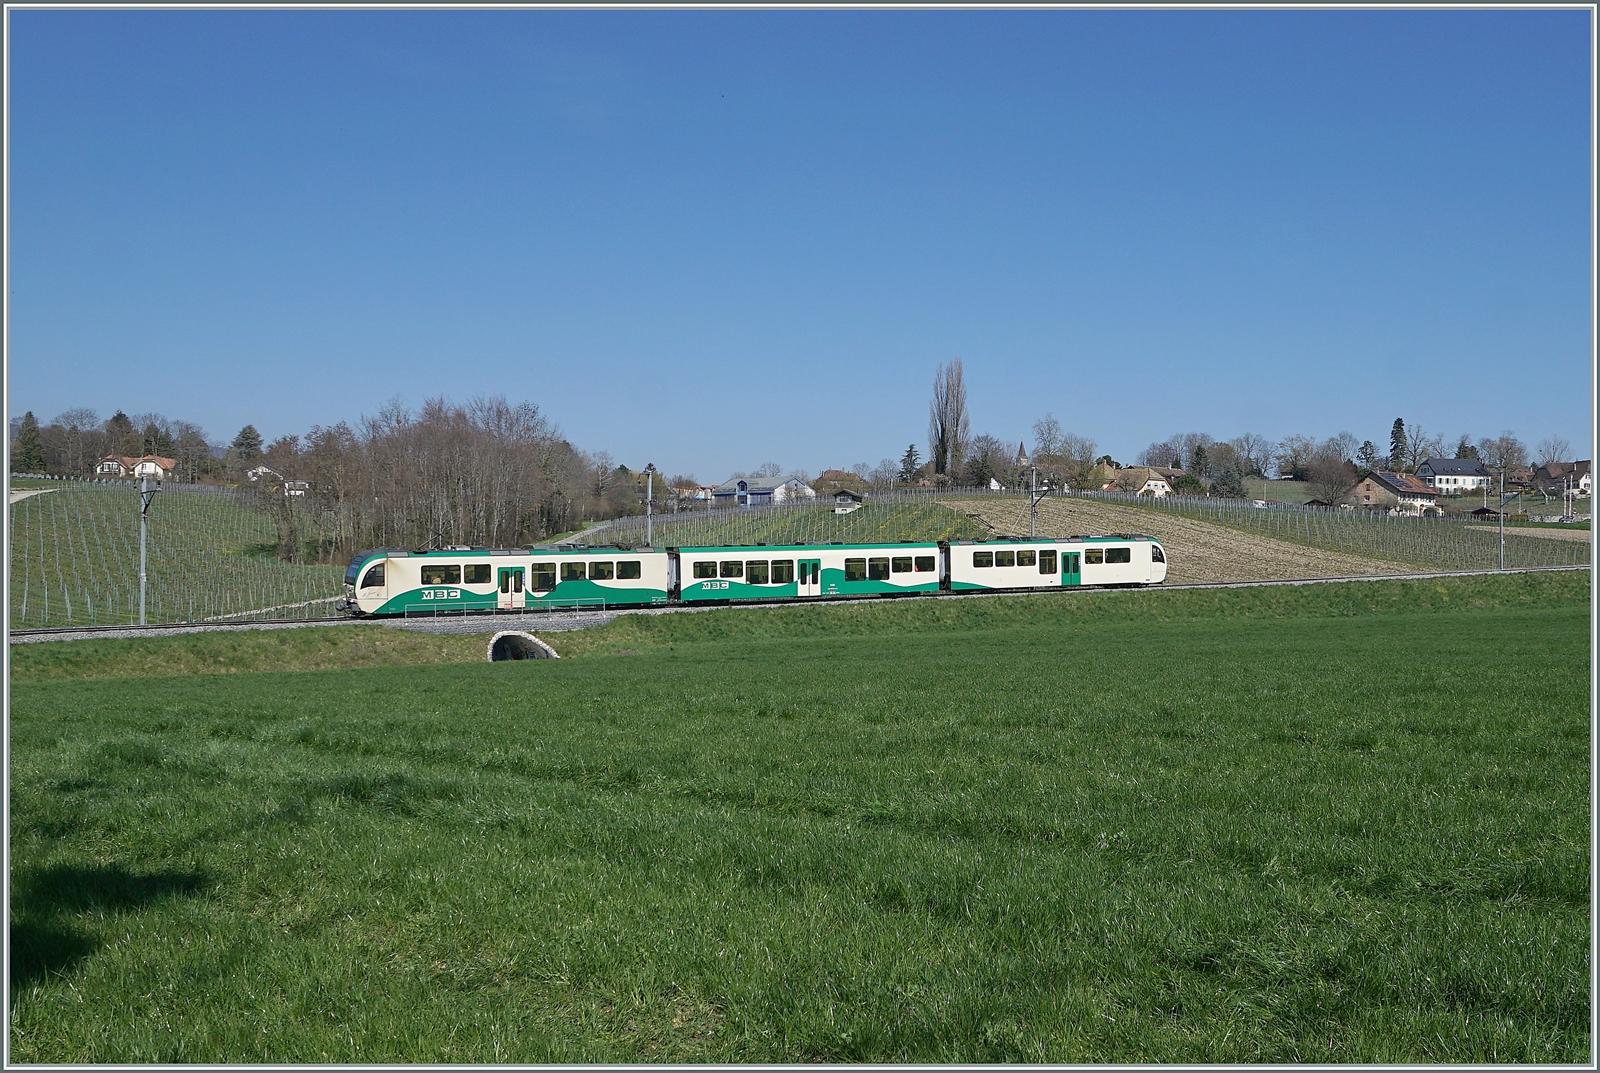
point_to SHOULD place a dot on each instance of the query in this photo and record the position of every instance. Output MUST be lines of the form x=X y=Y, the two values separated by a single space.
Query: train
x=460 y=578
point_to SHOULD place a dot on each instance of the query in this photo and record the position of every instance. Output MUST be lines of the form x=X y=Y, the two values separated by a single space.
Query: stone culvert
x=514 y=644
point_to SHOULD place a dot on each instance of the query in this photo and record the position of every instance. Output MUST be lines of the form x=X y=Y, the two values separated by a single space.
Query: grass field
x=1222 y=826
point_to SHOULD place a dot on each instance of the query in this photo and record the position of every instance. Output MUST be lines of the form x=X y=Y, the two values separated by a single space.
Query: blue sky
x=716 y=239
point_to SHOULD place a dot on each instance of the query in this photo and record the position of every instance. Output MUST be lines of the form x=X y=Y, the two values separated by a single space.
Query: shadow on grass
x=44 y=940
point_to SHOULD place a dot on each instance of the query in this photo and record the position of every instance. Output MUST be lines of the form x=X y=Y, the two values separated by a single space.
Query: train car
x=395 y=581
x=807 y=570
x=1016 y=563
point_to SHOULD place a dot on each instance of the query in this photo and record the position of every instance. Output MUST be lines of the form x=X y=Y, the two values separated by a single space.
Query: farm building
x=1402 y=493
x=126 y=466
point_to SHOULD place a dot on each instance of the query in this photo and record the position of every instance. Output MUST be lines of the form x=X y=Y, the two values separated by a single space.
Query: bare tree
x=1553 y=449
x=1343 y=446
x=1254 y=453
x=769 y=469
x=1047 y=434
x=1503 y=452
x=1421 y=446
x=1331 y=477
x=1294 y=457
x=1167 y=453
x=949 y=428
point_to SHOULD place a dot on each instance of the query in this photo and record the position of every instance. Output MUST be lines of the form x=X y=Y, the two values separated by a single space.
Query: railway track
x=560 y=621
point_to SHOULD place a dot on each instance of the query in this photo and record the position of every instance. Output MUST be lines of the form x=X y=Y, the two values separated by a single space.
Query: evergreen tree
x=246 y=446
x=1464 y=448
x=1230 y=483
x=155 y=441
x=910 y=462
x=28 y=454
x=1367 y=458
x=1397 y=446
x=121 y=438
x=1199 y=464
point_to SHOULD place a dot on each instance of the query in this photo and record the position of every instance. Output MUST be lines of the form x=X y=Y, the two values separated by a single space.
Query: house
x=1559 y=476
x=296 y=488
x=1143 y=480
x=760 y=491
x=261 y=473
x=153 y=466
x=845 y=501
x=1402 y=493
x=1453 y=476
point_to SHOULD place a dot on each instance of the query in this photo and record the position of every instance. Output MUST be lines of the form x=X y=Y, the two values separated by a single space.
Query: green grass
x=75 y=559
x=1216 y=826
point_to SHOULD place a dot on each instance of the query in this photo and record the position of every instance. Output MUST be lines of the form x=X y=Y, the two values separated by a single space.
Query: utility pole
x=1034 y=498
x=1502 y=518
x=649 y=495
x=146 y=494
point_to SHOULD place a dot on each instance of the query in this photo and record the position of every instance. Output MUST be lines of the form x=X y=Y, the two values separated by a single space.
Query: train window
x=572 y=572
x=901 y=564
x=924 y=564
x=878 y=569
x=733 y=569
x=855 y=570
x=1069 y=562
x=1119 y=555
x=755 y=573
x=983 y=558
x=782 y=571
x=601 y=571
x=1094 y=555
x=1047 y=562
x=439 y=574
x=374 y=578
x=477 y=573
x=1156 y=554
x=544 y=577
x=705 y=569
x=628 y=571
x=1025 y=558
x=1005 y=558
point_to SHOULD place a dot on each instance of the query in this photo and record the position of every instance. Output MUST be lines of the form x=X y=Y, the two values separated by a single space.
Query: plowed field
x=1196 y=551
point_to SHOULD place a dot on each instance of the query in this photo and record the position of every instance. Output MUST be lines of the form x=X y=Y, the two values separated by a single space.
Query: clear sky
x=716 y=239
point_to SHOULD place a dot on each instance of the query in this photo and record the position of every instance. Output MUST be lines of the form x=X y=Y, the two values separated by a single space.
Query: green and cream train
x=394 y=581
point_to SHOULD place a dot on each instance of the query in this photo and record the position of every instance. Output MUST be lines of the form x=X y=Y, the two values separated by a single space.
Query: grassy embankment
x=1115 y=826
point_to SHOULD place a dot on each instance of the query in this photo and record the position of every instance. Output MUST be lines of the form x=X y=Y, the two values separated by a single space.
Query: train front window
x=731 y=569
x=782 y=571
x=901 y=564
x=544 y=577
x=1119 y=555
x=628 y=571
x=855 y=570
x=440 y=574
x=755 y=573
x=1026 y=558
x=477 y=573
x=1156 y=554
x=924 y=564
x=1047 y=562
x=374 y=578
x=572 y=572
x=600 y=571
x=705 y=570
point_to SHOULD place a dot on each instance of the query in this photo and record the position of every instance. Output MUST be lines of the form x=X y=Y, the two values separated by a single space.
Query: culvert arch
x=515 y=644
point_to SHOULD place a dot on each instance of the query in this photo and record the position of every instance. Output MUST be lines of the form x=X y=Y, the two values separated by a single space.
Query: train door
x=1071 y=572
x=511 y=594
x=809 y=577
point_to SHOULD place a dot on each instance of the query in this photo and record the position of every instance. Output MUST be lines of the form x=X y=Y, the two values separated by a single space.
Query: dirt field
x=1534 y=531
x=1196 y=551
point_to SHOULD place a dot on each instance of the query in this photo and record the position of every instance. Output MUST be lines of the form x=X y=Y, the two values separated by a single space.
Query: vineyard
x=214 y=554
